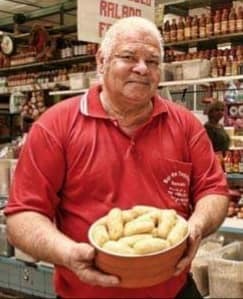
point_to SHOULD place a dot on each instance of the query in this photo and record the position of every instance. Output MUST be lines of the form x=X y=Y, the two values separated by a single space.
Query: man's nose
x=140 y=67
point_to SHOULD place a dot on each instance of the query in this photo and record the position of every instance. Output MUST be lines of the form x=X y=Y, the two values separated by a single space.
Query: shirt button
x=115 y=122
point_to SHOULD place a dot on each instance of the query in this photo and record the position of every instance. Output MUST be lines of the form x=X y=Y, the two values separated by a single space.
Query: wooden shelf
x=67 y=92
x=215 y=39
x=48 y=64
x=164 y=84
x=200 y=81
x=35 y=86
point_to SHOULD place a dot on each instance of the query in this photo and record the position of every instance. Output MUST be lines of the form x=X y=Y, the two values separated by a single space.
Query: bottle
x=195 y=27
x=167 y=31
x=209 y=25
x=202 y=26
x=220 y=67
x=228 y=68
x=173 y=31
x=224 y=22
x=188 y=28
x=180 y=29
x=228 y=162
x=214 y=69
x=232 y=21
x=235 y=68
x=239 y=19
x=217 y=23
x=241 y=162
x=235 y=161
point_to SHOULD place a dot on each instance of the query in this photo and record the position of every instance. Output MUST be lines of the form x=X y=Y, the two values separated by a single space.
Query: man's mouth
x=138 y=82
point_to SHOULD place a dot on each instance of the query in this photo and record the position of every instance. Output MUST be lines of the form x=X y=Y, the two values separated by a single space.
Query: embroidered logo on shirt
x=178 y=183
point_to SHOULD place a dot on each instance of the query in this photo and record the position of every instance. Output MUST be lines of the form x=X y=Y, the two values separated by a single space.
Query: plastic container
x=78 y=80
x=195 y=69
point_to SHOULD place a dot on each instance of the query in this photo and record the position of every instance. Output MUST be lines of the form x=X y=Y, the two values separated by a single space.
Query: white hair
x=137 y=24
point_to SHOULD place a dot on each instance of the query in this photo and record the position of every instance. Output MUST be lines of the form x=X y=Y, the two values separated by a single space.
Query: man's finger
x=94 y=277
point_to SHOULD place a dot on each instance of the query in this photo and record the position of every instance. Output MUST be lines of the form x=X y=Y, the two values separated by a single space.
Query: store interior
x=42 y=62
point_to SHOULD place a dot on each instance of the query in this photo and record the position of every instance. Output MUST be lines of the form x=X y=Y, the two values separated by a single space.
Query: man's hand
x=194 y=240
x=81 y=262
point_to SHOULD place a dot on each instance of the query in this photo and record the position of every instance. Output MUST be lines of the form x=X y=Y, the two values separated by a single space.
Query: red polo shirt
x=77 y=165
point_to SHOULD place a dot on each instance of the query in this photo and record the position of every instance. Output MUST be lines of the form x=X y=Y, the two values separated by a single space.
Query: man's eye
x=152 y=62
x=128 y=58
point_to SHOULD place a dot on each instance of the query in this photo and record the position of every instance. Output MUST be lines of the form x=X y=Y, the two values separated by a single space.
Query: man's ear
x=100 y=62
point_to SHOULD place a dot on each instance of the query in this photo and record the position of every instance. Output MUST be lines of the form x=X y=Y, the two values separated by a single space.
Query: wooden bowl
x=138 y=271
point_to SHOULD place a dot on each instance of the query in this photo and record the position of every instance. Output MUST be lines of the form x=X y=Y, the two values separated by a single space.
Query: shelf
x=235 y=176
x=190 y=4
x=200 y=81
x=164 y=84
x=34 y=87
x=232 y=225
x=26 y=279
x=48 y=64
x=209 y=41
x=67 y=92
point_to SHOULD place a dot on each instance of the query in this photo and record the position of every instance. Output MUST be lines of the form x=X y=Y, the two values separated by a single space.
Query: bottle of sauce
x=167 y=31
x=241 y=162
x=220 y=67
x=173 y=31
x=217 y=23
x=239 y=19
x=232 y=21
x=209 y=25
x=195 y=27
x=235 y=67
x=202 y=26
x=235 y=161
x=228 y=68
x=188 y=28
x=180 y=29
x=214 y=69
x=224 y=22
x=228 y=162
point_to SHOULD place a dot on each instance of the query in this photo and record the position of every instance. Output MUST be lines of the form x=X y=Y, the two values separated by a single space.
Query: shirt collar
x=90 y=104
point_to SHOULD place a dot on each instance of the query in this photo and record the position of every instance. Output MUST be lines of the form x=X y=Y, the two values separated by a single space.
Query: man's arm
x=36 y=235
x=209 y=213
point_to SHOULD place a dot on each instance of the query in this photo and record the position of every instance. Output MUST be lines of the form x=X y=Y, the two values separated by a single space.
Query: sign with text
x=96 y=16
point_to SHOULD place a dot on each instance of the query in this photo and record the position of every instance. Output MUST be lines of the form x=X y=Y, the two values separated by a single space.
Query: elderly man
x=116 y=146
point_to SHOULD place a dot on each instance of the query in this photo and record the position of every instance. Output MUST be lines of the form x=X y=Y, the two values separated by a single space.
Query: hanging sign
x=96 y=16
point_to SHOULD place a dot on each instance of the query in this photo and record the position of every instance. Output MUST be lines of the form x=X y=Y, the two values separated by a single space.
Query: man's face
x=133 y=70
x=218 y=113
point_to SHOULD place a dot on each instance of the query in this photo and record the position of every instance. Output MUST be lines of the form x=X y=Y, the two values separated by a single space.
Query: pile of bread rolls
x=140 y=230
